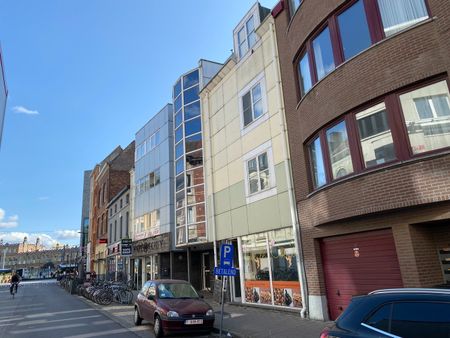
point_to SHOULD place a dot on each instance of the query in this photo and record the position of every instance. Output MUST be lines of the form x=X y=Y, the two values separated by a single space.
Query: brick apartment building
x=107 y=179
x=366 y=91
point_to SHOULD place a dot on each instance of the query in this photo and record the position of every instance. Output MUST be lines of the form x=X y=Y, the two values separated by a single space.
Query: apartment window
x=193 y=126
x=375 y=136
x=110 y=212
x=177 y=88
x=190 y=79
x=115 y=230
x=339 y=150
x=258 y=173
x=178 y=119
x=192 y=110
x=191 y=95
x=323 y=53
x=178 y=134
x=179 y=166
x=317 y=165
x=294 y=5
x=354 y=30
x=400 y=14
x=121 y=227
x=121 y=204
x=246 y=36
x=304 y=74
x=193 y=142
x=110 y=233
x=127 y=199
x=252 y=105
x=426 y=113
x=127 y=225
x=115 y=208
x=179 y=150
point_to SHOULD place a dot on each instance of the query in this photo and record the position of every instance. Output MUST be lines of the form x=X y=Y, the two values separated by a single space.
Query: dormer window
x=246 y=36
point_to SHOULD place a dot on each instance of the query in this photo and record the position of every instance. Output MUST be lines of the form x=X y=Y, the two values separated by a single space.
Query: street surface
x=43 y=309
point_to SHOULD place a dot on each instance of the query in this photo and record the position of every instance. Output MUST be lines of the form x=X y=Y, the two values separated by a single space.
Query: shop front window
x=270 y=269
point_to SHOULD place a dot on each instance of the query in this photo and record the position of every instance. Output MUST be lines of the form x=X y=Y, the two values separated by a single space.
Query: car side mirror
x=201 y=296
x=151 y=297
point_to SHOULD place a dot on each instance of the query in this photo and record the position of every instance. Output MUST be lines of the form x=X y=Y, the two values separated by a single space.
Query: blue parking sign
x=226 y=255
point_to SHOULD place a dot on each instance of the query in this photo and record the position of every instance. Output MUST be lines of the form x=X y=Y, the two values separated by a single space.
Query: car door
x=144 y=308
x=151 y=303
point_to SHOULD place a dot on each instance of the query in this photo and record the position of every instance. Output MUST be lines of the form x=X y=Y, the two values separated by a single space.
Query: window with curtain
x=323 y=53
x=304 y=74
x=375 y=136
x=427 y=116
x=294 y=5
x=339 y=149
x=317 y=164
x=400 y=14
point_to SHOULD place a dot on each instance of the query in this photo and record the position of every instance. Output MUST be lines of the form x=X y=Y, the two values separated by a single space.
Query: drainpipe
x=288 y=172
x=210 y=171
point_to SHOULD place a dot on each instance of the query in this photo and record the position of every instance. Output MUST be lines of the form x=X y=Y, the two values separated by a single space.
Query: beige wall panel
x=233 y=130
x=231 y=109
x=237 y=195
x=239 y=222
x=234 y=150
x=217 y=122
x=218 y=142
x=223 y=226
x=263 y=215
x=221 y=179
x=284 y=209
x=280 y=175
x=220 y=160
x=216 y=98
x=235 y=172
x=222 y=201
x=229 y=88
x=256 y=137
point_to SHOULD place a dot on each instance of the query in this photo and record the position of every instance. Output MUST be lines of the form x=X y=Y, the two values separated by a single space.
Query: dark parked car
x=172 y=306
x=405 y=313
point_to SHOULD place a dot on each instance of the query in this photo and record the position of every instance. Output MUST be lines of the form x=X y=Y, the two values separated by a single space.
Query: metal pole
x=222 y=306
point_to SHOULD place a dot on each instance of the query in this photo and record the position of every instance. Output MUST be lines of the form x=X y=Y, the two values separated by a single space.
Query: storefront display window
x=270 y=269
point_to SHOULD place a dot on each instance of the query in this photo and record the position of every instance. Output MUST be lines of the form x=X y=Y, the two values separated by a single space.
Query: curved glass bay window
x=270 y=269
x=190 y=200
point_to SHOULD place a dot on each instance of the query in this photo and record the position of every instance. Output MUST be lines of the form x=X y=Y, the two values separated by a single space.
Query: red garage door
x=357 y=264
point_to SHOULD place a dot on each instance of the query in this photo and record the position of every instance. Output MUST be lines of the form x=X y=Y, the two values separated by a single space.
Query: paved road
x=44 y=310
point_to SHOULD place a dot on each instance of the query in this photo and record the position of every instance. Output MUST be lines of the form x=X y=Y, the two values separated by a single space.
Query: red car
x=173 y=306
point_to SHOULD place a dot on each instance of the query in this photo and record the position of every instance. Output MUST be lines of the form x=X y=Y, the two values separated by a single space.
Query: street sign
x=226 y=255
x=219 y=271
x=126 y=247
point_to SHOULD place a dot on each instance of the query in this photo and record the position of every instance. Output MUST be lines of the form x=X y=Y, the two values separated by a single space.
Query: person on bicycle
x=15 y=280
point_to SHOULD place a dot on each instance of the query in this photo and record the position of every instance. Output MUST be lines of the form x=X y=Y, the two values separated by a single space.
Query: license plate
x=194 y=321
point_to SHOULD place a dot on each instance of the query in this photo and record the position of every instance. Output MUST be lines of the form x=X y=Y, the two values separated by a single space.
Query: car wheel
x=157 y=327
x=137 y=318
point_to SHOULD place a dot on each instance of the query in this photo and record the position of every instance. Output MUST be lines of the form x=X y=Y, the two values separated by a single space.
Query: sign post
x=225 y=269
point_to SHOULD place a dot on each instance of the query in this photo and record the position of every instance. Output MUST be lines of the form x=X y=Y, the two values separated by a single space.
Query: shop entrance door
x=152 y=267
x=138 y=273
x=206 y=271
x=236 y=280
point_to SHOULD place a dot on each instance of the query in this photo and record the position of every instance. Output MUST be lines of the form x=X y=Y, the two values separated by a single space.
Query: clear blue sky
x=83 y=77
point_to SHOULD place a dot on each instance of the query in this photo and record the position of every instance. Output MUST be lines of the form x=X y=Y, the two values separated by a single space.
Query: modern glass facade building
x=190 y=208
x=190 y=190
x=3 y=96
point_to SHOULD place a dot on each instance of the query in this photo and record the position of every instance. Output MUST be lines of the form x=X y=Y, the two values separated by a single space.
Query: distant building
x=107 y=179
x=3 y=96
x=154 y=200
x=84 y=228
x=119 y=224
x=22 y=247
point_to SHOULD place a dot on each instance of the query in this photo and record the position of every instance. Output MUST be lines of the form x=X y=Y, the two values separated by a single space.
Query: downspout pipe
x=289 y=176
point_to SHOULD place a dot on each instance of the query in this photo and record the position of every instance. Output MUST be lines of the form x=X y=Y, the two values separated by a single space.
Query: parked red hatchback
x=172 y=306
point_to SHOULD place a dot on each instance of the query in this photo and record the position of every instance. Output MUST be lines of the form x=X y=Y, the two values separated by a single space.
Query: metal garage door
x=357 y=264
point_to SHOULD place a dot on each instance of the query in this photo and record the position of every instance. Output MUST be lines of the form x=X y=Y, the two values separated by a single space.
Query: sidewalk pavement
x=239 y=321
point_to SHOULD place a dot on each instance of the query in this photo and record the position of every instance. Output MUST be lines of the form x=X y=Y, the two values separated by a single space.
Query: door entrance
x=236 y=280
x=152 y=267
x=206 y=271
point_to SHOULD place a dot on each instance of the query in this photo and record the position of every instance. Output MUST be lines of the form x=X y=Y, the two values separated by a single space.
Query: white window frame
x=253 y=12
x=272 y=190
x=430 y=102
x=259 y=79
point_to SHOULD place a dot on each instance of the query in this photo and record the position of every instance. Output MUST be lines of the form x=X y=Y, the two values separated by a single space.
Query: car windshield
x=176 y=290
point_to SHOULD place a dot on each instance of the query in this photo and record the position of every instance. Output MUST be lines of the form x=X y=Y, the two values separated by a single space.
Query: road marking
x=68 y=326
x=46 y=321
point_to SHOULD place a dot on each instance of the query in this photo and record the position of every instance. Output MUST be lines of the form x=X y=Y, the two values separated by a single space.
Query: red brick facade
x=412 y=197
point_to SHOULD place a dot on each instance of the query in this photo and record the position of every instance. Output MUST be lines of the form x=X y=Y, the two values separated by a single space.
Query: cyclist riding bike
x=15 y=280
